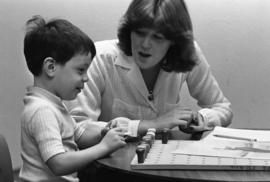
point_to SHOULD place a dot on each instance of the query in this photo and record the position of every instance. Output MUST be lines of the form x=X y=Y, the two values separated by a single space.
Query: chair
x=6 y=171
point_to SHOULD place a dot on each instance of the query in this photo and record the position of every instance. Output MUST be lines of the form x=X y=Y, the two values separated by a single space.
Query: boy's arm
x=71 y=161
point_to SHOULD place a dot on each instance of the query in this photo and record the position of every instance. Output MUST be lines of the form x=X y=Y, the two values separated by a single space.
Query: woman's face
x=148 y=47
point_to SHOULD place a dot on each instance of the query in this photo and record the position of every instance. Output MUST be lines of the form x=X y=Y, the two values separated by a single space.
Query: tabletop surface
x=120 y=161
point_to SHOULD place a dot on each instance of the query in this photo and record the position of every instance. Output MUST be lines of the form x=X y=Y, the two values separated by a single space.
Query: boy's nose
x=85 y=78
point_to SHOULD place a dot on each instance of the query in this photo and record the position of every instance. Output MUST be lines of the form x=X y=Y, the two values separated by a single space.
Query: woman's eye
x=159 y=37
x=139 y=32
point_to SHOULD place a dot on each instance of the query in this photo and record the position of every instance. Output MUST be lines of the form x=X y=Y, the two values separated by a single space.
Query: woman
x=140 y=75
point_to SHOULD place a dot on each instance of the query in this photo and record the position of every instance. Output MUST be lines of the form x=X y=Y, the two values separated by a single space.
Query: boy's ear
x=49 y=66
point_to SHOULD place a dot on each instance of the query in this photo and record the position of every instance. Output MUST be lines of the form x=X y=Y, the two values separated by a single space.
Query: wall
x=234 y=35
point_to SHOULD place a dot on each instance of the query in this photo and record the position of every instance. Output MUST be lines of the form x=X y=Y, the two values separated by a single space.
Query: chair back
x=6 y=171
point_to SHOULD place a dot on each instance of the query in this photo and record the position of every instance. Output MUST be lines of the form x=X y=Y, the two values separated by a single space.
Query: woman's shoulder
x=197 y=47
x=200 y=54
x=108 y=51
x=107 y=47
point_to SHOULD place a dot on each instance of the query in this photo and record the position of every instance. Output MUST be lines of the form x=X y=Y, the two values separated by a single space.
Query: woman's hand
x=175 y=117
x=195 y=125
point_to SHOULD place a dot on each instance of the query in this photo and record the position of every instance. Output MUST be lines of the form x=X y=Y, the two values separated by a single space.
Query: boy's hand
x=114 y=139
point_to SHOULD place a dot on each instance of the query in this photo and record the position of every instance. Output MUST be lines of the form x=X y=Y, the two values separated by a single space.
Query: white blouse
x=116 y=89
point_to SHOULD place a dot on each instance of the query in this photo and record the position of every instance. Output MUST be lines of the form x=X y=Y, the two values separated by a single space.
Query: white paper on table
x=225 y=147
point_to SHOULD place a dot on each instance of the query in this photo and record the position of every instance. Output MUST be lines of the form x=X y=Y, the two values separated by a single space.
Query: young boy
x=58 y=55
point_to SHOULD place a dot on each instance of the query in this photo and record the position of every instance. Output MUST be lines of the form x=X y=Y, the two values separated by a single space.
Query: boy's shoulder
x=34 y=104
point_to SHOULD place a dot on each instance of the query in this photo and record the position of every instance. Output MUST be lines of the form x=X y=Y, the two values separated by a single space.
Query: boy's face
x=69 y=78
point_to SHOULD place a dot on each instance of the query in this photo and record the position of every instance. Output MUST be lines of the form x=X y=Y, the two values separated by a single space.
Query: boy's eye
x=81 y=70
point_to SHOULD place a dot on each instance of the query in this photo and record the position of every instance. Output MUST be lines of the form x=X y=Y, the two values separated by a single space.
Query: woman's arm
x=91 y=135
x=202 y=85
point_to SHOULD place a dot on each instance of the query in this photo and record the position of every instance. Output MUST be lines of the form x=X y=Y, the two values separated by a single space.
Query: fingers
x=196 y=125
x=109 y=125
x=194 y=118
x=120 y=132
x=121 y=121
x=115 y=137
x=118 y=122
x=191 y=117
x=122 y=140
x=184 y=114
x=183 y=123
x=113 y=123
x=184 y=119
x=186 y=129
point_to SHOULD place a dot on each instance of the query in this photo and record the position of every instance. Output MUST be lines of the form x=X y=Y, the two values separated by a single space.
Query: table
x=117 y=166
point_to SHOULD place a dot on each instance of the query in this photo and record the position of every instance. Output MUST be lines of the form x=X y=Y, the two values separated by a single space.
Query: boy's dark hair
x=169 y=17
x=57 y=38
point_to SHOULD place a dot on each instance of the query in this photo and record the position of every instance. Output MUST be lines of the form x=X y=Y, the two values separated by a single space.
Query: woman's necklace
x=150 y=78
x=151 y=95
